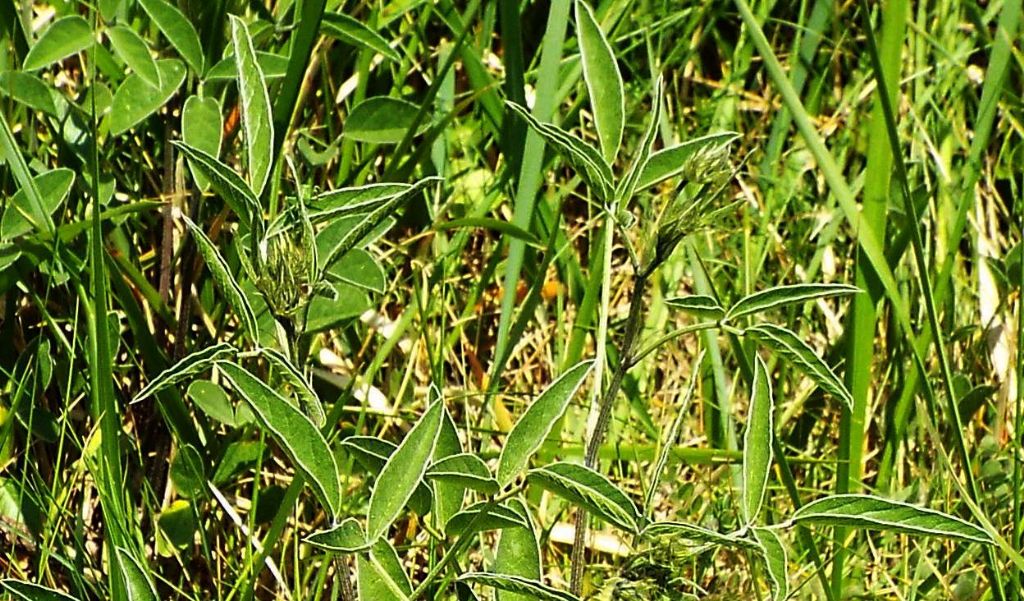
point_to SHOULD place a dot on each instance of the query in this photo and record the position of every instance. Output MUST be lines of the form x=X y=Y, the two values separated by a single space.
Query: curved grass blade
x=584 y=158
x=533 y=589
x=64 y=37
x=403 y=472
x=604 y=82
x=185 y=369
x=351 y=31
x=225 y=281
x=380 y=575
x=779 y=296
x=699 y=305
x=345 y=537
x=673 y=161
x=135 y=99
x=689 y=532
x=257 y=120
x=137 y=584
x=309 y=402
x=535 y=425
x=483 y=517
x=226 y=183
x=789 y=345
x=587 y=488
x=875 y=513
x=27 y=591
x=298 y=437
x=178 y=30
x=773 y=553
x=466 y=470
x=757 y=444
x=135 y=53
x=518 y=552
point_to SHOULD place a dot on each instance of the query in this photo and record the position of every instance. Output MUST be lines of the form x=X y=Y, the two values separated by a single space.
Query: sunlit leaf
x=135 y=99
x=135 y=53
x=518 y=553
x=352 y=31
x=225 y=280
x=466 y=470
x=604 y=82
x=787 y=344
x=587 y=488
x=673 y=161
x=27 y=591
x=64 y=37
x=779 y=296
x=137 y=583
x=19 y=214
x=187 y=368
x=483 y=517
x=533 y=589
x=757 y=443
x=228 y=184
x=344 y=537
x=257 y=120
x=201 y=125
x=380 y=575
x=773 y=553
x=178 y=30
x=698 y=305
x=535 y=424
x=381 y=120
x=874 y=513
x=403 y=472
x=300 y=439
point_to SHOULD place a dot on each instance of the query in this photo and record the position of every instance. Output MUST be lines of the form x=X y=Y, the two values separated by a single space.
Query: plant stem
x=626 y=360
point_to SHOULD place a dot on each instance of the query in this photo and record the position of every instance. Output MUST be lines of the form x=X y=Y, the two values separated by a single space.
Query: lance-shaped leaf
x=226 y=183
x=201 y=127
x=351 y=31
x=518 y=553
x=483 y=517
x=345 y=537
x=874 y=513
x=673 y=161
x=309 y=402
x=225 y=281
x=466 y=470
x=135 y=53
x=698 y=305
x=300 y=439
x=27 y=591
x=187 y=368
x=372 y=454
x=380 y=576
x=584 y=158
x=757 y=443
x=367 y=222
x=257 y=121
x=787 y=344
x=20 y=215
x=697 y=534
x=350 y=201
x=604 y=82
x=135 y=99
x=62 y=38
x=448 y=494
x=137 y=584
x=177 y=29
x=403 y=472
x=28 y=89
x=381 y=120
x=627 y=187
x=274 y=66
x=533 y=589
x=779 y=296
x=535 y=425
x=587 y=488
x=773 y=553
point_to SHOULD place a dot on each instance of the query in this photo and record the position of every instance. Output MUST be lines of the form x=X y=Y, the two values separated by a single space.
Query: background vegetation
x=876 y=147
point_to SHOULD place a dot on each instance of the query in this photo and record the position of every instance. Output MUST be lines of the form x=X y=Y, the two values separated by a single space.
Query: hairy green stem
x=626 y=360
